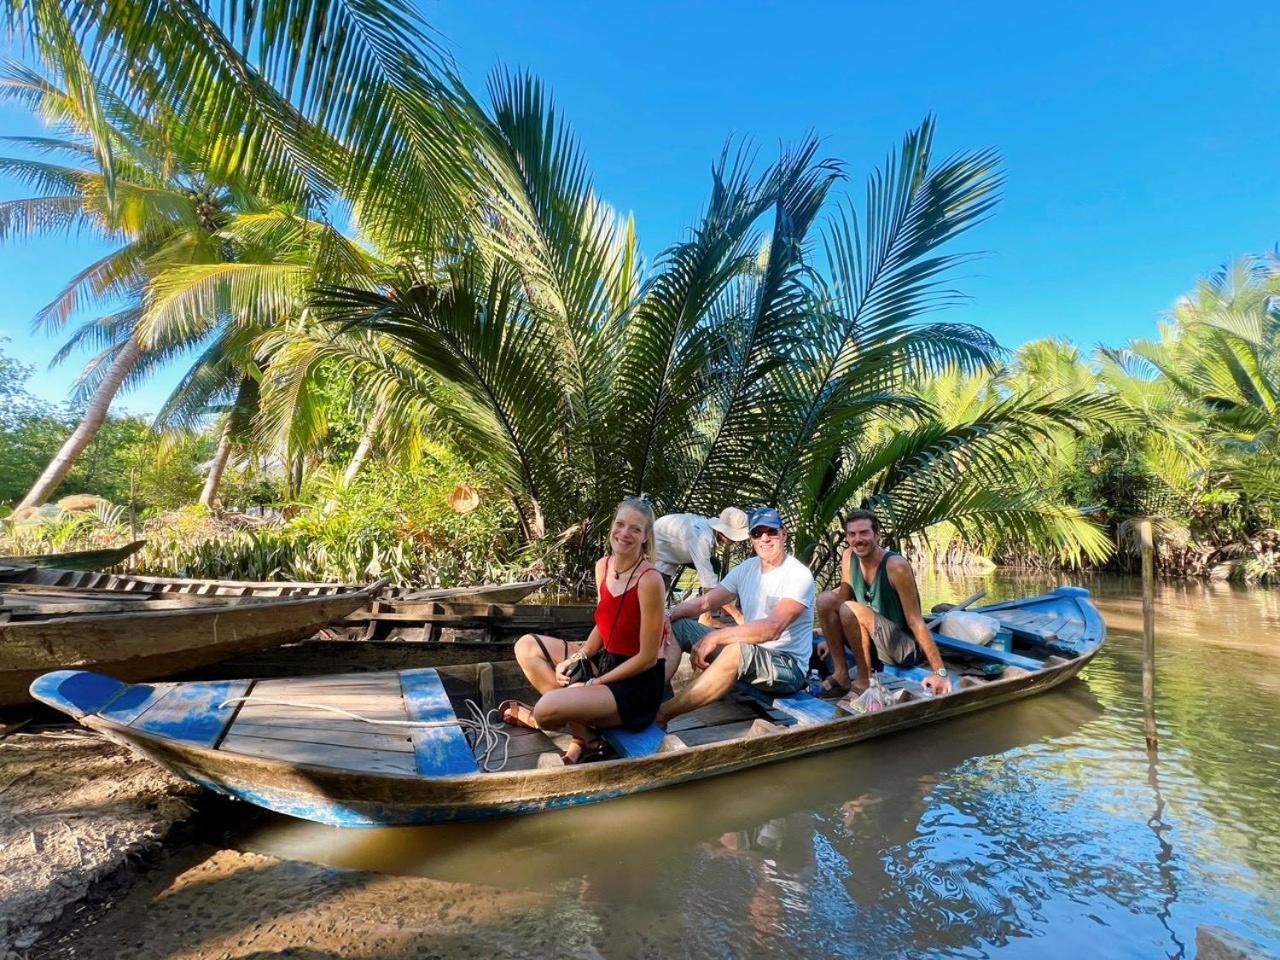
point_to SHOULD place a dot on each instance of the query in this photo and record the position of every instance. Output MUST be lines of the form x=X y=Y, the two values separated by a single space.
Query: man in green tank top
x=876 y=612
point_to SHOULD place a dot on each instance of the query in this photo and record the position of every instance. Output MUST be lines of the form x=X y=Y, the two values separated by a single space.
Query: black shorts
x=638 y=697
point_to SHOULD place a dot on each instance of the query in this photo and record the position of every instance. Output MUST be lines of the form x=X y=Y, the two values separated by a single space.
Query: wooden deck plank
x=191 y=712
x=722 y=731
x=441 y=751
x=366 y=737
x=322 y=754
x=804 y=708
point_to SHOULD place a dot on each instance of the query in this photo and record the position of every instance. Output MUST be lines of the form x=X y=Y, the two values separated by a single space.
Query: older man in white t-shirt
x=771 y=649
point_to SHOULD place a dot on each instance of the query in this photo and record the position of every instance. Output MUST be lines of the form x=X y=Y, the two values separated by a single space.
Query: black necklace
x=620 y=573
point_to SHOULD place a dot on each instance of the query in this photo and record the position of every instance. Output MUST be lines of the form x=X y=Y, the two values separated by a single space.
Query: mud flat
x=75 y=812
x=206 y=902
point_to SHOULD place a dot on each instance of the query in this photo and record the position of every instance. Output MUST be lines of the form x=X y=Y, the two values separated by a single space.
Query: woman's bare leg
x=540 y=673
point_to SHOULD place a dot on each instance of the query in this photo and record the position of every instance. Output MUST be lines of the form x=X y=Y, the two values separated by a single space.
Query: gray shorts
x=765 y=669
x=895 y=645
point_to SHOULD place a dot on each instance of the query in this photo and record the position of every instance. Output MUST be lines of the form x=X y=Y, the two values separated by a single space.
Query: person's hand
x=935 y=685
x=562 y=677
x=701 y=656
x=823 y=649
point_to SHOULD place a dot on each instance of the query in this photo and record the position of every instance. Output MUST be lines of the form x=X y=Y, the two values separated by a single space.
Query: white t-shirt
x=759 y=594
x=684 y=538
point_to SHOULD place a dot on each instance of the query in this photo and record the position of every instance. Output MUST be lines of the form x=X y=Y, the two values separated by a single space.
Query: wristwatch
x=940 y=672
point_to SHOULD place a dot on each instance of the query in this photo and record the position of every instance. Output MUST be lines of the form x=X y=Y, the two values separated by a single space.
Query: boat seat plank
x=979 y=652
x=322 y=754
x=520 y=746
x=641 y=743
x=803 y=707
x=367 y=737
x=441 y=751
x=191 y=712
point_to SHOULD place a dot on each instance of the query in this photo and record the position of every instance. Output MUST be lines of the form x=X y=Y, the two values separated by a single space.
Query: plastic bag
x=971 y=627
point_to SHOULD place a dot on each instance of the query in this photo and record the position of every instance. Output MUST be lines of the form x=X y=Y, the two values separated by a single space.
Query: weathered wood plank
x=804 y=708
x=322 y=754
x=360 y=735
x=441 y=751
x=720 y=732
x=191 y=712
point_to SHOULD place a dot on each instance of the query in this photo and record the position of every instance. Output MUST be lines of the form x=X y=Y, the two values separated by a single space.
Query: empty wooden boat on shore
x=46 y=580
x=512 y=592
x=77 y=560
x=145 y=639
x=390 y=748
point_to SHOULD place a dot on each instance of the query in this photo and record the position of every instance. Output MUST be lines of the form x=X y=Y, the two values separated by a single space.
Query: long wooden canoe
x=17 y=576
x=52 y=580
x=155 y=641
x=274 y=743
x=512 y=592
x=77 y=560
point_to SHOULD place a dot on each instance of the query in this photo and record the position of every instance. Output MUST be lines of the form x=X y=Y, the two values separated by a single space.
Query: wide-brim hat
x=732 y=523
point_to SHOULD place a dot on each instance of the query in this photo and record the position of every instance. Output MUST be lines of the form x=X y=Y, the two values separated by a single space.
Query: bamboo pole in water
x=1147 y=539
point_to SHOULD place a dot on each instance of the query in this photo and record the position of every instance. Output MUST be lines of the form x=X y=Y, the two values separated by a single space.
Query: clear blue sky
x=1140 y=145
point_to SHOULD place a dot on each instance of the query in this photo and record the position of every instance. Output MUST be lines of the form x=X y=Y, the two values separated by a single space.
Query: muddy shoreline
x=103 y=855
x=76 y=812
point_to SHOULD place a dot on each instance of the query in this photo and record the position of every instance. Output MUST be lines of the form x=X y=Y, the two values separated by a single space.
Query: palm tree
x=734 y=370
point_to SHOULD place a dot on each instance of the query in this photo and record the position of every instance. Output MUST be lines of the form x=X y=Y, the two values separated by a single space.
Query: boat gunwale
x=588 y=782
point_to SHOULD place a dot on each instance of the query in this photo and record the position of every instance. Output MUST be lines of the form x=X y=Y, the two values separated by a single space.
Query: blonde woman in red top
x=615 y=678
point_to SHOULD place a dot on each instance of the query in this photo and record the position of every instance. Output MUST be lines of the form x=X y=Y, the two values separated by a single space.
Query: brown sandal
x=517 y=713
x=587 y=750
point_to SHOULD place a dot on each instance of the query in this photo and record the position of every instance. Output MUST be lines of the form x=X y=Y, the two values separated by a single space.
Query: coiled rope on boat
x=489 y=733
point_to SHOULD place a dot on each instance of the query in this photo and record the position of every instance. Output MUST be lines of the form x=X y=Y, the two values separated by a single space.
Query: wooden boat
x=77 y=560
x=292 y=745
x=140 y=640
x=512 y=592
x=50 y=581
x=17 y=577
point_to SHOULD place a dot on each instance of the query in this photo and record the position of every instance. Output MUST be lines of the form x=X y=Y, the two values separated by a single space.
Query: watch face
x=941 y=671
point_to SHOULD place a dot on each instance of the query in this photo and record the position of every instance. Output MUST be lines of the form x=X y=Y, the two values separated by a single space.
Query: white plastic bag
x=972 y=627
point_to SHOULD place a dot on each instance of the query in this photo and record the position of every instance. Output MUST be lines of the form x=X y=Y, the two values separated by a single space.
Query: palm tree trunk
x=217 y=468
x=366 y=441
x=94 y=415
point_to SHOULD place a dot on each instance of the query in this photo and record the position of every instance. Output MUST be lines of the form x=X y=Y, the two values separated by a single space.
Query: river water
x=1036 y=829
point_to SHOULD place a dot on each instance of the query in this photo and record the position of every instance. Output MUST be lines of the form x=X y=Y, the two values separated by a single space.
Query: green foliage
x=392 y=522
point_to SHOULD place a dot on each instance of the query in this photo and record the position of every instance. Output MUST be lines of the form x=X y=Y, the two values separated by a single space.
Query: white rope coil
x=488 y=733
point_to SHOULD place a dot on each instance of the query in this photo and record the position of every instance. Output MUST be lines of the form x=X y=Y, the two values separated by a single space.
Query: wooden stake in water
x=1147 y=539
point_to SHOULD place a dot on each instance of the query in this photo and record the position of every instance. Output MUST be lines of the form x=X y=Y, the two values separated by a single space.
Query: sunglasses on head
x=640 y=501
x=759 y=532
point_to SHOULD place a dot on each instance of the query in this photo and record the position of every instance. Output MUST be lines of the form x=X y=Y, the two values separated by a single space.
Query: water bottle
x=814 y=686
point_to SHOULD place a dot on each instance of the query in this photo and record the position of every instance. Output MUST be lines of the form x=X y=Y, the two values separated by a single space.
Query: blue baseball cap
x=765 y=517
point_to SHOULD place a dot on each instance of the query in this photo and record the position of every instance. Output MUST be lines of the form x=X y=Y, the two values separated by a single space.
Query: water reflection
x=1042 y=826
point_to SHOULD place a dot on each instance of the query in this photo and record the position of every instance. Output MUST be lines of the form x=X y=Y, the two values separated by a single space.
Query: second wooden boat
x=142 y=640
x=389 y=748
x=77 y=560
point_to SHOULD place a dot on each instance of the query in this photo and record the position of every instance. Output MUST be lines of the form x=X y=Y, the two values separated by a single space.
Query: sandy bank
x=204 y=902
x=74 y=810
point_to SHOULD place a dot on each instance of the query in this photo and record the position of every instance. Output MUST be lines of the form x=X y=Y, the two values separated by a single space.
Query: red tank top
x=624 y=610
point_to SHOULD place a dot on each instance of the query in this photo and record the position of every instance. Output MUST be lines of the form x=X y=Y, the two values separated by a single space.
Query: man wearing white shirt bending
x=686 y=539
x=771 y=649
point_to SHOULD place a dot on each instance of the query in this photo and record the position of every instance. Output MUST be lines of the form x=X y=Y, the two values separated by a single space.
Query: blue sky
x=1138 y=144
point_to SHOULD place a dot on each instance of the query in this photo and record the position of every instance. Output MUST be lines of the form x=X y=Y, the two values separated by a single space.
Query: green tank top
x=881 y=595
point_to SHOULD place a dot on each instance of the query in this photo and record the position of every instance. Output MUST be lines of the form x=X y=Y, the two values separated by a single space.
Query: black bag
x=582 y=670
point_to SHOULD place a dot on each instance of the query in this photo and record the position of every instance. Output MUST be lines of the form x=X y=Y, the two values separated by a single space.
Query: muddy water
x=1041 y=828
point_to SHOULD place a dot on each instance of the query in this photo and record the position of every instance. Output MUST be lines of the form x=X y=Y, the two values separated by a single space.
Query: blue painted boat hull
x=199 y=749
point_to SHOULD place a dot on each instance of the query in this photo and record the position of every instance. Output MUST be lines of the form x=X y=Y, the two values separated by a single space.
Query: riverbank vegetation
x=417 y=342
